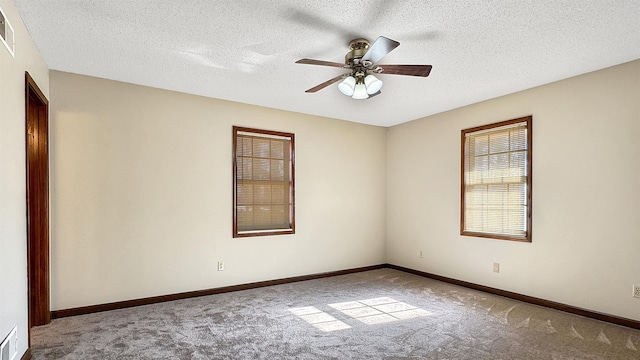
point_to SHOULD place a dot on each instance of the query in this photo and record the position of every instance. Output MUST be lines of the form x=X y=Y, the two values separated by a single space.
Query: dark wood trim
x=495 y=236
x=635 y=324
x=462 y=188
x=26 y=355
x=185 y=295
x=527 y=237
x=497 y=124
x=37 y=202
x=529 y=177
x=292 y=182
x=29 y=82
x=261 y=131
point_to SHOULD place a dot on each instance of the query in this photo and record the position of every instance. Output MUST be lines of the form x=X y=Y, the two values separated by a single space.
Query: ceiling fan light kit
x=361 y=60
x=373 y=84
x=347 y=86
x=360 y=92
x=358 y=88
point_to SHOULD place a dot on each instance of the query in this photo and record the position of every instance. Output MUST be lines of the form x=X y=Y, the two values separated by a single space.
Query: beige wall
x=13 y=238
x=586 y=176
x=141 y=194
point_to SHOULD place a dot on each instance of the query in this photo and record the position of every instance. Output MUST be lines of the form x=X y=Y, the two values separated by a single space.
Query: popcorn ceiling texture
x=245 y=51
x=433 y=320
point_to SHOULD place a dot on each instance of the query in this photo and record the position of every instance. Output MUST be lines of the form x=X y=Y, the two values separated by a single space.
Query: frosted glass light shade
x=373 y=84
x=347 y=85
x=360 y=92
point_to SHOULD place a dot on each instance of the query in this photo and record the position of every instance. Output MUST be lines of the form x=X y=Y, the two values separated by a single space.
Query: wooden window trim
x=292 y=227
x=527 y=237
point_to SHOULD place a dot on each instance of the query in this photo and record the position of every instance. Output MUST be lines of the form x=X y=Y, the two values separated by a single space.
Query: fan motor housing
x=358 y=47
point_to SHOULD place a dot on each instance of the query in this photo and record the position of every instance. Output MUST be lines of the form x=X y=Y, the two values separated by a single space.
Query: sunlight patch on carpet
x=319 y=318
x=379 y=310
x=370 y=311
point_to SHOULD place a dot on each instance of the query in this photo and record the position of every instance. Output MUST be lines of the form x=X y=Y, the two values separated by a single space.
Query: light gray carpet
x=380 y=314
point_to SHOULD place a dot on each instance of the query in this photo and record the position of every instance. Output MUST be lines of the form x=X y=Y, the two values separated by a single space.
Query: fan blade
x=375 y=94
x=326 y=83
x=411 y=70
x=381 y=47
x=308 y=20
x=320 y=62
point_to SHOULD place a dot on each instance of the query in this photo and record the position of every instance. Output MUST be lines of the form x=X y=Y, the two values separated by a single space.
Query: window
x=496 y=181
x=263 y=182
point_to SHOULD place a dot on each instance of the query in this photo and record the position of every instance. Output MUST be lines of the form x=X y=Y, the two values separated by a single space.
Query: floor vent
x=7 y=35
x=9 y=346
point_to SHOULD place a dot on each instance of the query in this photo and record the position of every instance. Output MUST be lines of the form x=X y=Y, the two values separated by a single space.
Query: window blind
x=495 y=190
x=263 y=182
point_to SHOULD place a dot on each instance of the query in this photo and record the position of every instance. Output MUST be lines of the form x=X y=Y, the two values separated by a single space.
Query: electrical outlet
x=636 y=291
x=496 y=267
x=220 y=265
x=421 y=255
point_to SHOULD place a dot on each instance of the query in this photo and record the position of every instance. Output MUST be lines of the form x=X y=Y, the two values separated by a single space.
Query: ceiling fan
x=361 y=61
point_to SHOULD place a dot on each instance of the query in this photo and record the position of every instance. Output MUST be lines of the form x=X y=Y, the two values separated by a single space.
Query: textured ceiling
x=245 y=51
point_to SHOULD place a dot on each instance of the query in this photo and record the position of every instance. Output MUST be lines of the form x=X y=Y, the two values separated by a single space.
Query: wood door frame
x=37 y=200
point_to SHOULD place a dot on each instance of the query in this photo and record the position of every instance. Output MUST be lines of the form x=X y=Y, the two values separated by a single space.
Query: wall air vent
x=6 y=33
x=9 y=346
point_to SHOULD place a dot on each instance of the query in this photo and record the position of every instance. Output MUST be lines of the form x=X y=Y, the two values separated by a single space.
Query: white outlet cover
x=636 y=291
